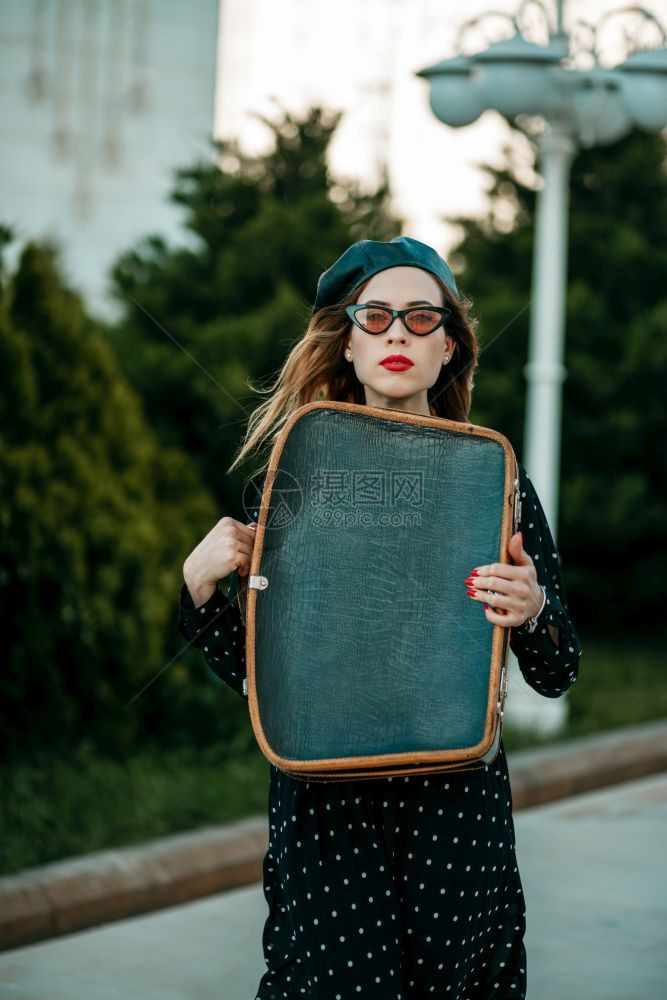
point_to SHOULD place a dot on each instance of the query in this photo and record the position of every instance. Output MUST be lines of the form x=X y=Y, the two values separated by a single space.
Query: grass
x=618 y=685
x=55 y=807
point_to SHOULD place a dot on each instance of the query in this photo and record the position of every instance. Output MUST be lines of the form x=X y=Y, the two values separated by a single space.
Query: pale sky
x=361 y=56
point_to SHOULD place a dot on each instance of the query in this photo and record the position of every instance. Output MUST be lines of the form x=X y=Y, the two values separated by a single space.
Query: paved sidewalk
x=596 y=894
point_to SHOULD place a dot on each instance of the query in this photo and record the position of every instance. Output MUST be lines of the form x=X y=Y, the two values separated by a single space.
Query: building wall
x=99 y=101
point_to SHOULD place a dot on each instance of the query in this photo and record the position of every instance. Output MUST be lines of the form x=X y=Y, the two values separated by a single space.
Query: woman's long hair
x=316 y=369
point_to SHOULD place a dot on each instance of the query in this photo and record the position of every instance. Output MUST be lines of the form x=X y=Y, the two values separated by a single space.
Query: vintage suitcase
x=365 y=657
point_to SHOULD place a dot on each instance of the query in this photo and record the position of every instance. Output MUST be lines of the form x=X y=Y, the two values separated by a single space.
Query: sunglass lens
x=422 y=320
x=374 y=319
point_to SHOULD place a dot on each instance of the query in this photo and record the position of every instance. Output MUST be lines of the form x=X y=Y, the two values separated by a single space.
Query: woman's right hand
x=228 y=546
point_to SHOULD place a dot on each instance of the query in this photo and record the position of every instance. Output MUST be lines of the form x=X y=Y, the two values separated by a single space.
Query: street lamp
x=562 y=105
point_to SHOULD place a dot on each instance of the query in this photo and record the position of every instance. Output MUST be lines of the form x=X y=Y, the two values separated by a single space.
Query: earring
x=446 y=359
x=348 y=355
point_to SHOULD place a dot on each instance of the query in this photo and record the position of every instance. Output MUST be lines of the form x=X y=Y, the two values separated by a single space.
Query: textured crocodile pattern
x=365 y=641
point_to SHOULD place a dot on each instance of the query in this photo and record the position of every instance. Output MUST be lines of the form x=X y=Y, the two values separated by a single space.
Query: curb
x=67 y=896
x=582 y=765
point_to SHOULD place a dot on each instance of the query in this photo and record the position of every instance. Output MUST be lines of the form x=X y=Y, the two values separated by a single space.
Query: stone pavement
x=596 y=894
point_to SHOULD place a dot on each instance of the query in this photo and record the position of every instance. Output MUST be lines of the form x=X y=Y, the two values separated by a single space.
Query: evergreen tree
x=614 y=446
x=94 y=509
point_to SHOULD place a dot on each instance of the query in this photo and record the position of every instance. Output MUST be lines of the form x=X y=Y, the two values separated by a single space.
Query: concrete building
x=99 y=101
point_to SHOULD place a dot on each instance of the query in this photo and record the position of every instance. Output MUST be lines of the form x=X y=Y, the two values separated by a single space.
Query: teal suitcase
x=365 y=657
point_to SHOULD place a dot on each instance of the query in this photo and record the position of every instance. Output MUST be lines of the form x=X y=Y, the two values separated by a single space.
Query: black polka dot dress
x=398 y=888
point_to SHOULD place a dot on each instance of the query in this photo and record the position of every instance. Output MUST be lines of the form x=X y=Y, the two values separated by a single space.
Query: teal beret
x=367 y=257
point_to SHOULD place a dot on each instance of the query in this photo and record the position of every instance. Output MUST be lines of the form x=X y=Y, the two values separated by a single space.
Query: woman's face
x=399 y=288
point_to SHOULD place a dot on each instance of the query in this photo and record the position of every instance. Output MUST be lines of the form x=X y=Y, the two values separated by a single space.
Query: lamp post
x=563 y=98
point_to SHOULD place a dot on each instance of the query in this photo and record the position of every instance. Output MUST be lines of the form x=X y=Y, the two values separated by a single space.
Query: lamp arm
x=473 y=22
x=590 y=46
x=646 y=14
x=554 y=28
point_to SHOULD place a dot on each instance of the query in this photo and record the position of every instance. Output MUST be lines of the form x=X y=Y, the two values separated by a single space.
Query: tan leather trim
x=337 y=768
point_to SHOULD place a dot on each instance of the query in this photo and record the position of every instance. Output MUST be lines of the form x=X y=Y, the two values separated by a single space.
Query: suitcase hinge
x=517 y=505
x=502 y=694
x=258 y=582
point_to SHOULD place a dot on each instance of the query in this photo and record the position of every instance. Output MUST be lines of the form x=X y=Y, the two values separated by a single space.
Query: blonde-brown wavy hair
x=316 y=369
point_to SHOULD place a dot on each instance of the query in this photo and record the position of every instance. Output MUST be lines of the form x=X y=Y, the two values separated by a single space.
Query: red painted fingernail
x=486 y=607
x=469 y=579
x=473 y=593
x=474 y=573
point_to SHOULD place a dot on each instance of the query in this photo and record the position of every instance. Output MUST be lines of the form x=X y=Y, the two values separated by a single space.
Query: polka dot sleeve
x=217 y=629
x=549 y=667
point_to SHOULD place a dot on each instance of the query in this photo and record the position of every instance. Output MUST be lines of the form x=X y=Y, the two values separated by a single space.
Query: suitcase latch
x=502 y=694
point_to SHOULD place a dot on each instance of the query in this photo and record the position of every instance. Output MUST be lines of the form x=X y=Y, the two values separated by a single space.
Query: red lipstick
x=396 y=363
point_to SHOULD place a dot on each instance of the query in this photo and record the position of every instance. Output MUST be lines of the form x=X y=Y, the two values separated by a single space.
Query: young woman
x=407 y=886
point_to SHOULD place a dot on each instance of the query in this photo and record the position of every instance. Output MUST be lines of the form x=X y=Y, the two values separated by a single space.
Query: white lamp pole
x=561 y=107
x=545 y=371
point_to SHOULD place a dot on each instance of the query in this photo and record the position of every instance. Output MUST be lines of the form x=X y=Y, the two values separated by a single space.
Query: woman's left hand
x=509 y=591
